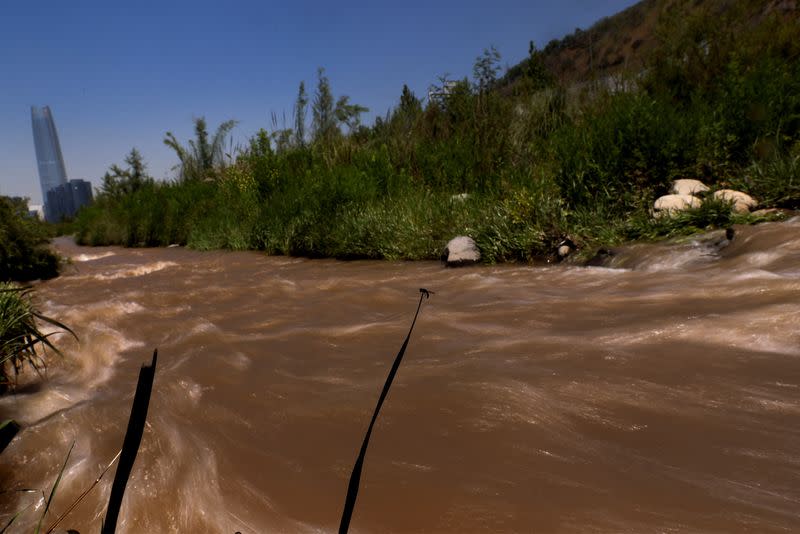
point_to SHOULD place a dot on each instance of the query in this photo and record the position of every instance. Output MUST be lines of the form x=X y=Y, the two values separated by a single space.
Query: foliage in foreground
x=517 y=167
x=22 y=340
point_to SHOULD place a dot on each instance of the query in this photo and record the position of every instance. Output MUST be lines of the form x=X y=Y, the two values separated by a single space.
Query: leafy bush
x=21 y=338
x=23 y=255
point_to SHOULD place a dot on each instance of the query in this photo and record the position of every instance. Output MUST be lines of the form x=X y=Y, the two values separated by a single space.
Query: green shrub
x=21 y=338
x=774 y=181
x=23 y=254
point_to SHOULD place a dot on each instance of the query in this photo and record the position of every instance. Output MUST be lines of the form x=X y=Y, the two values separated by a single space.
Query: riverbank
x=522 y=226
x=518 y=166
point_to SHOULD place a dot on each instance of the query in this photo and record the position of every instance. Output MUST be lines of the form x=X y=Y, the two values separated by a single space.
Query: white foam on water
x=177 y=464
x=768 y=329
x=339 y=331
x=103 y=311
x=678 y=260
x=240 y=361
x=73 y=379
x=112 y=310
x=284 y=283
x=188 y=390
x=203 y=326
x=598 y=270
x=92 y=257
x=762 y=258
x=141 y=270
x=775 y=405
x=757 y=274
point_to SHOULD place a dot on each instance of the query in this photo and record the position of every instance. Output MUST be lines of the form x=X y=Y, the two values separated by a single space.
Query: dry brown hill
x=625 y=40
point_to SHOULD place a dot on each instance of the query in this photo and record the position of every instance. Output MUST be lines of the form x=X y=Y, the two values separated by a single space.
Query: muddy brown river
x=659 y=394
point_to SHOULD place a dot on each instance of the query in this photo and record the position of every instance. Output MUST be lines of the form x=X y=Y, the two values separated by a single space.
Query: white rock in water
x=742 y=202
x=564 y=250
x=674 y=203
x=686 y=186
x=461 y=250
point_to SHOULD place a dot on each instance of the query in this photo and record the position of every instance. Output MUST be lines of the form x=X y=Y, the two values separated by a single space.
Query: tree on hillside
x=201 y=159
x=535 y=69
x=407 y=110
x=486 y=68
x=409 y=103
x=118 y=182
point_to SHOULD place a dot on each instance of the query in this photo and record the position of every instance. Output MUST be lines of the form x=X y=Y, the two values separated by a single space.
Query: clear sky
x=121 y=74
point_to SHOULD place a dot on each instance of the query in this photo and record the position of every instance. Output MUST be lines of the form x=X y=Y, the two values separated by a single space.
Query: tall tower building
x=52 y=172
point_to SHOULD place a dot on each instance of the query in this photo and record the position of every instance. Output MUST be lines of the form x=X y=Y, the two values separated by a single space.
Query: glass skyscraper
x=52 y=172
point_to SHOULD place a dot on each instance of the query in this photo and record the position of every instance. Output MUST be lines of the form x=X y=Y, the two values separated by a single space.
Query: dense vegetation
x=23 y=254
x=518 y=166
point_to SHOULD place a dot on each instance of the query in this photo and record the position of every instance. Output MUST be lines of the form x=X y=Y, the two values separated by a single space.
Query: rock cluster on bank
x=686 y=194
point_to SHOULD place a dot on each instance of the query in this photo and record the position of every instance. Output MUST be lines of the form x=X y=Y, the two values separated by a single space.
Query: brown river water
x=659 y=395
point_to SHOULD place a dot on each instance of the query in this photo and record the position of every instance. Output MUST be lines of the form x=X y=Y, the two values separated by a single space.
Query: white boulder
x=669 y=204
x=461 y=250
x=742 y=202
x=686 y=186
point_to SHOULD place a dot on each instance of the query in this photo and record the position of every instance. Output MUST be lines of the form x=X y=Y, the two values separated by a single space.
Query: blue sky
x=121 y=74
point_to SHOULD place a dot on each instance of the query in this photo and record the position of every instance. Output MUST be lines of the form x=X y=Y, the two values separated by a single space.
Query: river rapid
x=660 y=394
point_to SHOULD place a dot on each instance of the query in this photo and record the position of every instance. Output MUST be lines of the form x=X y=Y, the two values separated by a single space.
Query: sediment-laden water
x=660 y=395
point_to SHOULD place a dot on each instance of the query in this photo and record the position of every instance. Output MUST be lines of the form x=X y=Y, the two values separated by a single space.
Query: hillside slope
x=624 y=41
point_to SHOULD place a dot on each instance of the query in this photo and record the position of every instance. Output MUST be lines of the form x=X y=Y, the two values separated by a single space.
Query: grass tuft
x=21 y=339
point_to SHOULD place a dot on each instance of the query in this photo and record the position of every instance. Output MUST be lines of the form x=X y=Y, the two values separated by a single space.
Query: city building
x=81 y=193
x=52 y=172
x=62 y=198
x=64 y=201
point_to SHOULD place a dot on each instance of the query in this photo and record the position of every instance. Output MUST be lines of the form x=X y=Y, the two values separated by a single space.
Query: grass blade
x=14 y=518
x=53 y=491
x=82 y=495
